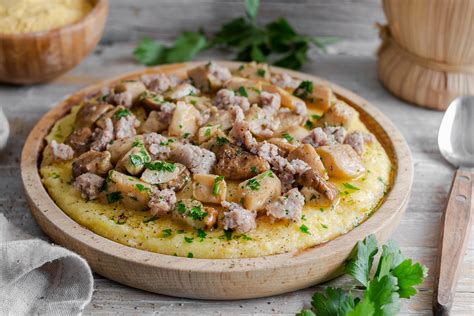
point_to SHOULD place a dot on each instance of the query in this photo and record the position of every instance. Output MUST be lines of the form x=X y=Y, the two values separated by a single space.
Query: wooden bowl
x=216 y=278
x=42 y=56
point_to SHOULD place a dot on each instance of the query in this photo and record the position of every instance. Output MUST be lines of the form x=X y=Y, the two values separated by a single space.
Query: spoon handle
x=455 y=230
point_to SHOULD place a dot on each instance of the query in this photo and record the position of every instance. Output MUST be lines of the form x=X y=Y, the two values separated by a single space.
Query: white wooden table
x=350 y=64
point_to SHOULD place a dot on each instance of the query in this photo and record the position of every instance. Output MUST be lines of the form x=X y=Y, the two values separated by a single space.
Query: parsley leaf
x=216 y=189
x=186 y=46
x=161 y=166
x=253 y=184
x=288 y=137
x=332 y=302
x=122 y=113
x=304 y=90
x=114 y=197
x=361 y=259
x=350 y=186
x=252 y=9
x=395 y=278
x=197 y=213
x=305 y=229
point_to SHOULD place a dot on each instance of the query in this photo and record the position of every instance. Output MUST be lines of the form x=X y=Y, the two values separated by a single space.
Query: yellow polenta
x=24 y=16
x=138 y=229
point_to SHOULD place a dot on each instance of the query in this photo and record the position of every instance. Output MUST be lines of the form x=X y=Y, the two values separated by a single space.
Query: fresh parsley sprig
x=276 y=42
x=395 y=278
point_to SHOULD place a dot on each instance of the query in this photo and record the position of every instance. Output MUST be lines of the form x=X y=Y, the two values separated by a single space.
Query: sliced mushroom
x=166 y=175
x=193 y=213
x=288 y=119
x=209 y=77
x=128 y=190
x=288 y=100
x=209 y=188
x=186 y=120
x=180 y=91
x=258 y=191
x=121 y=146
x=134 y=160
x=316 y=199
x=341 y=161
x=234 y=163
x=283 y=144
x=97 y=162
x=154 y=123
x=254 y=70
x=308 y=154
x=152 y=100
x=90 y=113
x=80 y=140
x=132 y=88
x=340 y=114
x=311 y=179
x=246 y=88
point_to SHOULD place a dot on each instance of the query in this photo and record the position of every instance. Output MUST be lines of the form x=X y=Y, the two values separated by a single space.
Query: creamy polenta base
x=359 y=198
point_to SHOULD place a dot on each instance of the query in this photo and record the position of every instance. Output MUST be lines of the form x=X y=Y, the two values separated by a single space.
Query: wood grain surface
x=350 y=63
x=217 y=278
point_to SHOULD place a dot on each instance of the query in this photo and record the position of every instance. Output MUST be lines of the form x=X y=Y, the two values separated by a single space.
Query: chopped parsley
x=207 y=133
x=180 y=207
x=228 y=234
x=324 y=226
x=180 y=231
x=201 y=234
x=122 y=113
x=189 y=240
x=140 y=158
x=254 y=170
x=142 y=188
x=304 y=90
x=197 y=213
x=350 y=186
x=308 y=124
x=221 y=141
x=288 y=137
x=167 y=232
x=168 y=142
x=105 y=97
x=261 y=72
x=242 y=92
x=151 y=219
x=186 y=135
x=217 y=185
x=305 y=229
x=161 y=166
x=303 y=217
x=190 y=255
x=114 y=197
x=253 y=184
x=315 y=116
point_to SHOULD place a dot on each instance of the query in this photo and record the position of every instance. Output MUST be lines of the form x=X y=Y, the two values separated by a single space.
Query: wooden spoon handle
x=455 y=230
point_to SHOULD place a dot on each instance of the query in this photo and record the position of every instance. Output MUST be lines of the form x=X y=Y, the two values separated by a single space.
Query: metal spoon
x=456 y=144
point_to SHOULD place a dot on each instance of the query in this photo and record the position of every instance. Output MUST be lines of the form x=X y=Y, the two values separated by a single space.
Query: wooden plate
x=216 y=278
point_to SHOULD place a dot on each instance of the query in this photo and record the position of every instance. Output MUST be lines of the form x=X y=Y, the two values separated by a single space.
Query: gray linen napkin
x=39 y=278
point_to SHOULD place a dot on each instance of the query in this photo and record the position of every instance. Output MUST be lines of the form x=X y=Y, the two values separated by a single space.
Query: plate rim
x=45 y=209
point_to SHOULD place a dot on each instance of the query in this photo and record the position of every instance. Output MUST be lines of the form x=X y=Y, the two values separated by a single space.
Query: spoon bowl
x=456 y=133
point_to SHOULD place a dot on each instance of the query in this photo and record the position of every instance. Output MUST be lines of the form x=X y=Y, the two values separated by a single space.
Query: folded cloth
x=39 y=278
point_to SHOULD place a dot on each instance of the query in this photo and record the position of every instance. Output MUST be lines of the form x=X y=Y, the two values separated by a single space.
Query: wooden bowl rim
x=93 y=14
x=394 y=203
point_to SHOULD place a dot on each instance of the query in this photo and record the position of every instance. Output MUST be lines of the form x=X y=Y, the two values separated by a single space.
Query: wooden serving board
x=217 y=279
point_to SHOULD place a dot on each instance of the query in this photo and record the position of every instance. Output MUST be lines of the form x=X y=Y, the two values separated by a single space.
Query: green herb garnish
x=114 y=197
x=305 y=229
x=201 y=234
x=304 y=90
x=189 y=240
x=395 y=278
x=197 y=213
x=161 y=166
x=190 y=255
x=151 y=219
x=242 y=92
x=217 y=187
x=288 y=137
x=228 y=234
x=261 y=72
x=167 y=232
x=350 y=186
x=253 y=184
x=181 y=207
x=122 y=113
x=221 y=141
